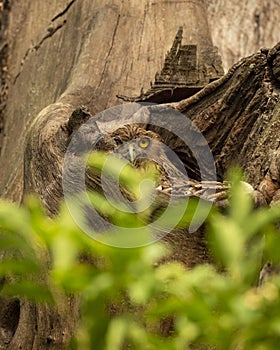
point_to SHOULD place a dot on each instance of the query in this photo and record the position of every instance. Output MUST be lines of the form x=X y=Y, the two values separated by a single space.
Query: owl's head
x=133 y=143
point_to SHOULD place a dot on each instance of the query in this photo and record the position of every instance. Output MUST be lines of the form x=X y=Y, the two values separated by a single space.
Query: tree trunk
x=240 y=29
x=65 y=54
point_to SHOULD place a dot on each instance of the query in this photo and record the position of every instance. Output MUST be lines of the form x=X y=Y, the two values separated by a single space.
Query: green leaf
x=16 y=266
x=228 y=242
x=28 y=289
x=241 y=202
x=116 y=334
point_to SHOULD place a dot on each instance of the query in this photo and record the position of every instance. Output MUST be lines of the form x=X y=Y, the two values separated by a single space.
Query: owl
x=142 y=147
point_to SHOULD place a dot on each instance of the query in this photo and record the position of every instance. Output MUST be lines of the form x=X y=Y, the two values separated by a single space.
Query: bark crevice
x=62 y=13
x=106 y=60
x=51 y=32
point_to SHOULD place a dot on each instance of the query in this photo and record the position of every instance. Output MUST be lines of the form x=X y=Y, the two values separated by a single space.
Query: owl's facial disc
x=134 y=149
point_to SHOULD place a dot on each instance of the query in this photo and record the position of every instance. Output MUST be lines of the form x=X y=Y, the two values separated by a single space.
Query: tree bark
x=66 y=54
x=240 y=29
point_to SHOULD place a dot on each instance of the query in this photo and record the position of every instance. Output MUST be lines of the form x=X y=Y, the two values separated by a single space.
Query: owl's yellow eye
x=144 y=142
x=118 y=140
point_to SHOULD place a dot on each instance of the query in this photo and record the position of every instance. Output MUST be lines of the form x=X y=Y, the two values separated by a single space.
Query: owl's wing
x=185 y=139
x=211 y=191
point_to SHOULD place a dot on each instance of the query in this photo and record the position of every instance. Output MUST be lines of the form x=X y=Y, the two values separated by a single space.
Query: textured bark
x=50 y=58
x=241 y=28
x=65 y=54
x=239 y=115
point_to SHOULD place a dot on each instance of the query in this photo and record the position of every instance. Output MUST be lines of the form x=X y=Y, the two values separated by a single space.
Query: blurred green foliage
x=127 y=297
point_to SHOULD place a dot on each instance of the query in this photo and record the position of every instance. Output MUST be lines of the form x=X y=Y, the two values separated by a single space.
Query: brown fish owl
x=140 y=147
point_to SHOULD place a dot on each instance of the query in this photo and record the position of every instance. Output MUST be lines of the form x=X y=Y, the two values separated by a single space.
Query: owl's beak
x=131 y=153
